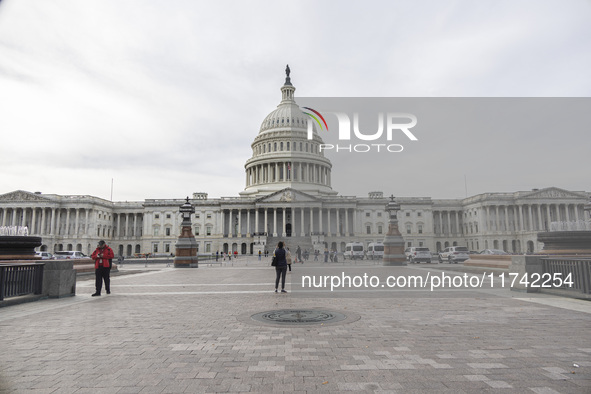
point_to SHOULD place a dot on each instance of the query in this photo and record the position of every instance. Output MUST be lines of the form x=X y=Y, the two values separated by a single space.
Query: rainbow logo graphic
x=315 y=118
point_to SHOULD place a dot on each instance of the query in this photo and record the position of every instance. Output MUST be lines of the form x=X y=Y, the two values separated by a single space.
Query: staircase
x=305 y=243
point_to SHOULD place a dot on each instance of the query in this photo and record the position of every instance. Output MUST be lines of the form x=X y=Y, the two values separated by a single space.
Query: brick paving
x=166 y=330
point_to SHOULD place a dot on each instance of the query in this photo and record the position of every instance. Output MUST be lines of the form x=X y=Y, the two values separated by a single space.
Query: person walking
x=102 y=267
x=120 y=260
x=288 y=257
x=281 y=267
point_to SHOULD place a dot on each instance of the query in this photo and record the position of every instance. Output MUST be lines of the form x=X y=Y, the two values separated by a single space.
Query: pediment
x=553 y=192
x=22 y=196
x=287 y=195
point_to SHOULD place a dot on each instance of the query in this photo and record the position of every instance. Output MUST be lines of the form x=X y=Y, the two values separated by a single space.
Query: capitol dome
x=283 y=156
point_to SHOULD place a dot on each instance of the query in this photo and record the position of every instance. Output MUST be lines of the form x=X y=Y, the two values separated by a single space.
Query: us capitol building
x=288 y=196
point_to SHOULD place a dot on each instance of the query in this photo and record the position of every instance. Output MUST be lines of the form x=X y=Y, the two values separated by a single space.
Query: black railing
x=575 y=273
x=20 y=279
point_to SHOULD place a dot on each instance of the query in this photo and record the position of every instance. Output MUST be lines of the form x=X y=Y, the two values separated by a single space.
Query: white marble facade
x=288 y=196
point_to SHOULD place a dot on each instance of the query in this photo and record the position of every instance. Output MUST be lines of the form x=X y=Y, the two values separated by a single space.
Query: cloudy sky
x=165 y=97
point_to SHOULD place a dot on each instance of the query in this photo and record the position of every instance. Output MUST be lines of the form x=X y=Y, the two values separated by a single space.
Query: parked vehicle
x=418 y=254
x=375 y=250
x=44 y=255
x=494 y=251
x=453 y=254
x=353 y=251
x=71 y=254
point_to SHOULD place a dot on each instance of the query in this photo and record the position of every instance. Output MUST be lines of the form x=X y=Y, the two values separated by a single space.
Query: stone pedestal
x=59 y=278
x=393 y=241
x=186 y=246
x=566 y=242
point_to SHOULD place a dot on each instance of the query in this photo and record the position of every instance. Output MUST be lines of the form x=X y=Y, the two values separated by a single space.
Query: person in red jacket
x=102 y=257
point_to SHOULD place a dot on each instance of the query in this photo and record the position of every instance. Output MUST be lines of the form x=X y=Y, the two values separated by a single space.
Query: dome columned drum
x=283 y=156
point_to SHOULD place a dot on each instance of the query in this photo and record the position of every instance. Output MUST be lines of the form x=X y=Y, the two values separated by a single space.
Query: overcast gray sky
x=165 y=97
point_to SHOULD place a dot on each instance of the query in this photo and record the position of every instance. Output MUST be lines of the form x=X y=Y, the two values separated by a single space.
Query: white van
x=375 y=250
x=353 y=251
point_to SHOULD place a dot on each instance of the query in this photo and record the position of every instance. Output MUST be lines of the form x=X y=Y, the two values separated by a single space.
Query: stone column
x=328 y=230
x=531 y=218
x=347 y=222
x=266 y=221
x=248 y=223
x=34 y=222
x=338 y=224
x=506 y=218
x=320 y=220
x=497 y=221
x=303 y=229
x=256 y=220
x=284 y=225
x=311 y=220
x=274 y=222
x=521 y=226
x=566 y=212
x=52 y=224
x=42 y=229
x=86 y=228
x=239 y=229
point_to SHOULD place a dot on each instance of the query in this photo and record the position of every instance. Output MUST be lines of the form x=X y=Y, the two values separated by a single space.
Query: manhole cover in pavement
x=299 y=317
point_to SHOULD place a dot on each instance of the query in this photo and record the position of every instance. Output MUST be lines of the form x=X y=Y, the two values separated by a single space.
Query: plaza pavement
x=167 y=330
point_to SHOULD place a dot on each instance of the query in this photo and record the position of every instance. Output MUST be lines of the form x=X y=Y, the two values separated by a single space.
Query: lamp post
x=393 y=241
x=186 y=246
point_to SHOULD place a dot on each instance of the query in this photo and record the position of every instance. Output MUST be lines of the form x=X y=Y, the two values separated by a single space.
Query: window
x=379 y=214
x=409 y=244
x=208 y=230
x=156 y=231
x=196 y=230
x=408 y=228
x=208 y=247
x=288 y=146
x=168 y=215
x=167 y=231
x=156 y=216
x=419 y=214
x=167 y=248
x=367 y=214
x=420 y=229
x=281 y=146
x=408 y=214
x=209 y=215
x=420 y=243
x=155 y=248
x=275 y=147
x=368 y=229
x=379 y=229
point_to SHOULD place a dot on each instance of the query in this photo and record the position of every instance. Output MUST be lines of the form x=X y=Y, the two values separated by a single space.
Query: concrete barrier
x=59 y=278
